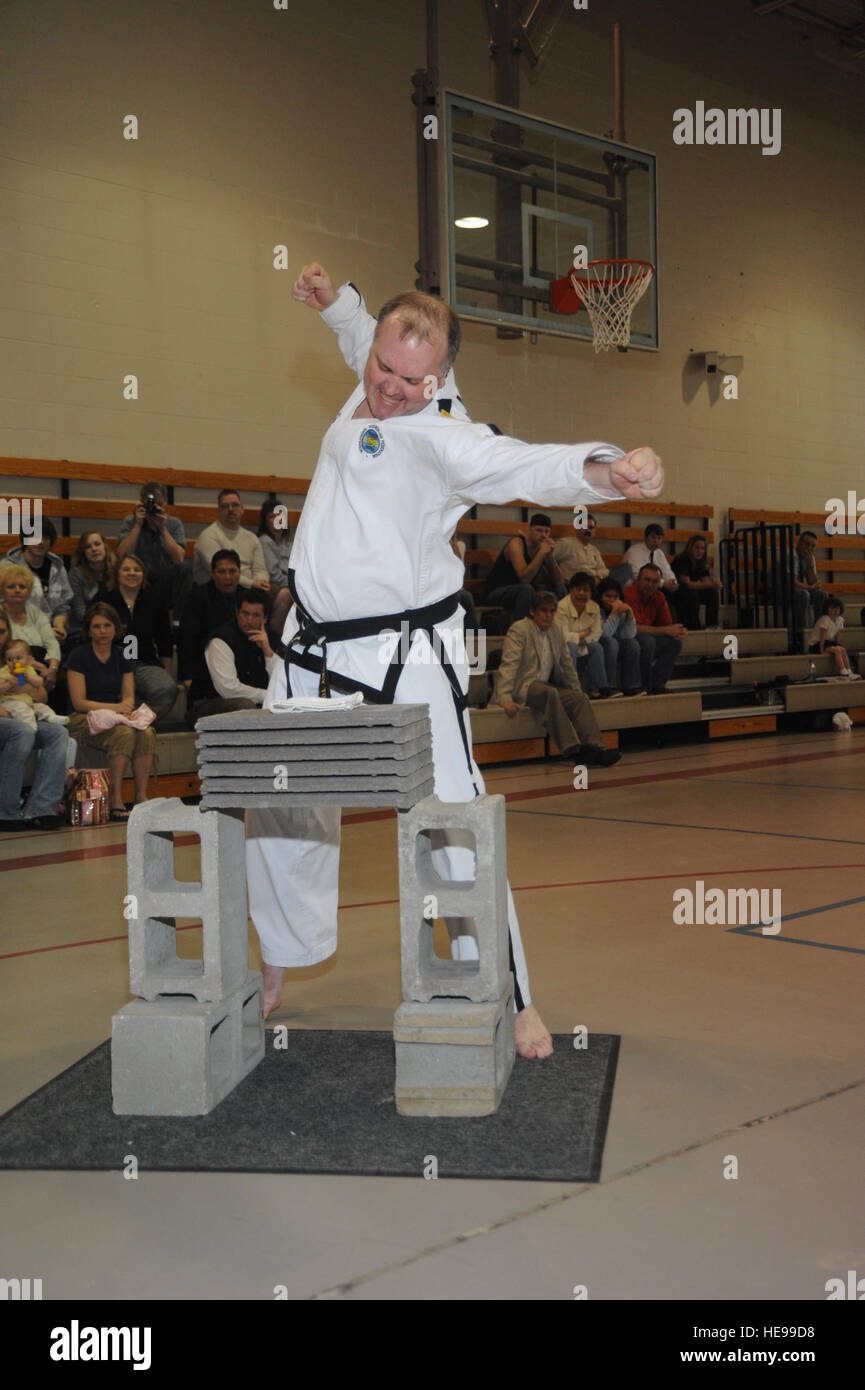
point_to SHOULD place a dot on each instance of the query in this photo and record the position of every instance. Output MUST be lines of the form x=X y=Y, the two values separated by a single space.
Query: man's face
x=648 y=584
x=35 y=554
x=226 y=576
x=538 y=534
x=544 y=615
x=654 y=540
x=581 y=595
x=397 y=369
x=588 y=531
x=807 y=545
x=250 y=617
x=230 y=510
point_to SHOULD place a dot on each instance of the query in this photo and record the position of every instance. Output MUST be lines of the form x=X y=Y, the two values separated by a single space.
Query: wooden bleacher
x=836 y=556
x=479 y=561
x=69 y=500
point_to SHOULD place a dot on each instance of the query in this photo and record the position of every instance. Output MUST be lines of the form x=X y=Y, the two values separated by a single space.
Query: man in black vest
x=239 y=658
x=522 y=567
x=209 y=607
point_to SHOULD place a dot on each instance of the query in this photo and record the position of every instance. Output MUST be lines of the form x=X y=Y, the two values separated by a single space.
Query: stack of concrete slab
x=454 y=1032
x=371 y=755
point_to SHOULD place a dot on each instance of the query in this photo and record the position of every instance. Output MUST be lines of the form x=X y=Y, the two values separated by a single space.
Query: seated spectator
x=93 y=568
x=577 y=553
x=580 y=620
x=227 y=534
x=619 y=639
x=648 y=552
x=536 y=670
x=523 y=566
x=276 y=548
x=160 y=541
x=146 y=634
x=275 y=542
x=806 y=584
x=239 y=658
x=28 y=623
x=26 y=700
x=51 y=591
x=17 y=740
x=696 y=586
x=210 y=606
x=824 y=636
x=659 y=637
x=99 y=676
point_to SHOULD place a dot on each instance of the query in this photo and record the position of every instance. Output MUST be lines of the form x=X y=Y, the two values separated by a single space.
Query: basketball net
x=610 y=290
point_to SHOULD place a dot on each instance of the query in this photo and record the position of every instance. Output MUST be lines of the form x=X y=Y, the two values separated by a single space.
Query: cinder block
x=453 y=1057
x=219 y=900
x=180 y=1057
x=424 y=976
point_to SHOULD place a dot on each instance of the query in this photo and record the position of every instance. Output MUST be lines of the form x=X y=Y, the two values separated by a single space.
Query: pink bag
x=87 y=796
x=98 y=720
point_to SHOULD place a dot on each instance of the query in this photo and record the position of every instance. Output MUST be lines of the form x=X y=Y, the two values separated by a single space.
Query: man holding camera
x=159 y=540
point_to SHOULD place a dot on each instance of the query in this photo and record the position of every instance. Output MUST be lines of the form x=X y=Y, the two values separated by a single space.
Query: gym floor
x=734 y=1046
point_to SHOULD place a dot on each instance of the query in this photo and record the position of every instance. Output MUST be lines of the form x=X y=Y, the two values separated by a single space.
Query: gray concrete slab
x=362 y=716
x=295 y=781
x=398 y=800
x=314 y=752
x=367 y=734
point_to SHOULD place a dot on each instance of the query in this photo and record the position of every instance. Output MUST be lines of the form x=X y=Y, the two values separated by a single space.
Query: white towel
x=316 y=702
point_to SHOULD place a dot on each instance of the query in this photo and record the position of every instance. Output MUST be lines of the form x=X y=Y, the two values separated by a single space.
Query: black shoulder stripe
x=495 y=429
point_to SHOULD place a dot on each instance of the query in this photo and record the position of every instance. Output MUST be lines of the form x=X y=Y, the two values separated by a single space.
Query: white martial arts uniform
x=374 y=539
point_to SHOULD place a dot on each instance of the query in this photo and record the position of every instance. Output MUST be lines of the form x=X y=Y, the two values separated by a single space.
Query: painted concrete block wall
x=261 y=127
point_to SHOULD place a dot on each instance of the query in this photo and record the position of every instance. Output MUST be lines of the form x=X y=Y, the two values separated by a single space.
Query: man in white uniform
x=394 y=476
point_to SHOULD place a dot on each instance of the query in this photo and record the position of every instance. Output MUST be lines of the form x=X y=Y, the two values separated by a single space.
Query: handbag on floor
x=87 y=796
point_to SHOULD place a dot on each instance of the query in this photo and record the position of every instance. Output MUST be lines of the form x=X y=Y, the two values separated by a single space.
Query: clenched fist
x=639 y=474
x=314 y=287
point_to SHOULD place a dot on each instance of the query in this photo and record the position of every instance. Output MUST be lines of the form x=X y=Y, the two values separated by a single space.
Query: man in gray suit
x=537 y=670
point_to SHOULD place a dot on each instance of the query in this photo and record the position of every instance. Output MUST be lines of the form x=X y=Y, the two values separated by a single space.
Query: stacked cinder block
x=454 y=1033
x=195 y=1029
x=372 y=755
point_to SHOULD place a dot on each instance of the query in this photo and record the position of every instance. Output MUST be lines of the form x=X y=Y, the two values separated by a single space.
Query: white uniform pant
x=292 y=856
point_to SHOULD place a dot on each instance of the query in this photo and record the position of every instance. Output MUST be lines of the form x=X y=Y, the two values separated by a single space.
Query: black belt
x=314 y=633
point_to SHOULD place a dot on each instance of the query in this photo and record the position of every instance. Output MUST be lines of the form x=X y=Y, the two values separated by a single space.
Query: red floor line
x=97 y=941
x=524 y=888
x=529 y=794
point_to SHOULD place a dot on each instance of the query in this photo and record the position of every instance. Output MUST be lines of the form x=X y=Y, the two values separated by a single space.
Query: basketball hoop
x=610 y=290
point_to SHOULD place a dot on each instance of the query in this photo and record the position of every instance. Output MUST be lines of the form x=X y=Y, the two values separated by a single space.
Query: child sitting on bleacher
x=824 y=633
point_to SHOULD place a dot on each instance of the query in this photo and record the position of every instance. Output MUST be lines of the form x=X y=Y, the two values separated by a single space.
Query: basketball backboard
x=539 y=189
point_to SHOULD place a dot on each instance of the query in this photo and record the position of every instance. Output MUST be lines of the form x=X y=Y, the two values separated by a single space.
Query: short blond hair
x=428 y=318
x=17 y=572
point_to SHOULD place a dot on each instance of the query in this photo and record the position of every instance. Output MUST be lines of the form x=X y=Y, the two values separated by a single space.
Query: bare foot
x=531 y=1034
x=272 y=987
